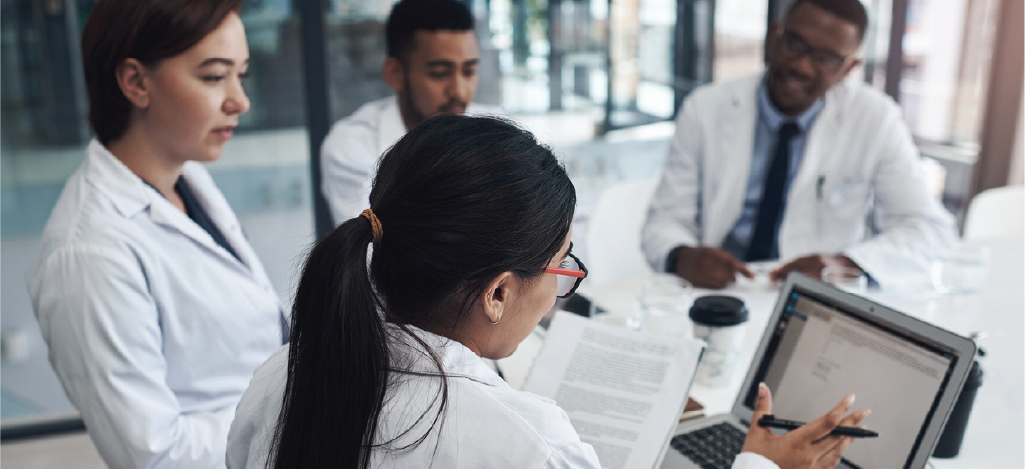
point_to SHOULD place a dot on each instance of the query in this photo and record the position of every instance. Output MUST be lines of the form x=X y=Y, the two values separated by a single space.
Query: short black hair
x=408 y=16
x=851 y=11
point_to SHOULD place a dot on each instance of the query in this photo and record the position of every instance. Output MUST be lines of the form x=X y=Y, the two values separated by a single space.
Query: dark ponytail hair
x=460 y=200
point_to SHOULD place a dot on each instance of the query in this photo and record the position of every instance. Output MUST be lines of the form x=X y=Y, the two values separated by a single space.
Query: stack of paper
x=624 y=391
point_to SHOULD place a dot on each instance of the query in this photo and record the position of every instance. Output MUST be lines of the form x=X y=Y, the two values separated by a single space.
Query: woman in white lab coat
x=470 y=224
x=155 y=308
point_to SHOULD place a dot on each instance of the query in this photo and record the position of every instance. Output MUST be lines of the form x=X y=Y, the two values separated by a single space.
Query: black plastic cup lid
x=718 y=310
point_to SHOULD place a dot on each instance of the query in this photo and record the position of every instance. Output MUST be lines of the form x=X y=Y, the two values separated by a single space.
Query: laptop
x=822 y=344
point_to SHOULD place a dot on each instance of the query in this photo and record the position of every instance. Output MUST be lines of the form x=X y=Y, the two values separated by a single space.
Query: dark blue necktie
x=763 y=241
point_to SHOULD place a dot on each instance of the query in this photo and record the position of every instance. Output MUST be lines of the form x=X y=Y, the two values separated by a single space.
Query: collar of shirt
x=774 y=120
x=456 y=359
x=126 y=191
x=391 y=127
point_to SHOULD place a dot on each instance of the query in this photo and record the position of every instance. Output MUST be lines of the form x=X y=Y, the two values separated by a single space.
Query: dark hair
x=409 y=16
x=146 y=30
x=851 y=11
x=460 y=201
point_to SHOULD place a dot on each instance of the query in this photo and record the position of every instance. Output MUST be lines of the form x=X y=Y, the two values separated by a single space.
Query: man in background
x=795 y=164
x=432 y=66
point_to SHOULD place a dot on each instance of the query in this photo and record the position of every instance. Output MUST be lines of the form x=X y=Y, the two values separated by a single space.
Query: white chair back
x=614 y=232
x=996 y=213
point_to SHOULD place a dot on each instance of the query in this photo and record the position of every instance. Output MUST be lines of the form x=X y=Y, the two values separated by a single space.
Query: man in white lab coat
x=795 y=164
x=432 y=66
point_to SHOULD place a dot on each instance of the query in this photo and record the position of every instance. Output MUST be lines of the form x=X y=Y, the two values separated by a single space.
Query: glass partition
x=876 y=44
x=356 y=51
x=42 y=102
x=641 y=91
x=947 y=56
x=740 y=28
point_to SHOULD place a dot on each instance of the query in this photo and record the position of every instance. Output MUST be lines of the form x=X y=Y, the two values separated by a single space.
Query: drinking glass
x=848 y=279
x=662 y=295
x=962 y=270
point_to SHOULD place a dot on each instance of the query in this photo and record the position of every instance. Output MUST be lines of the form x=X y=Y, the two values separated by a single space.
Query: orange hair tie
x=375 y=224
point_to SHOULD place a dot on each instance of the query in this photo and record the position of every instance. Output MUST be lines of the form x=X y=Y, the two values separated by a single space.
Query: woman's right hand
x=808 y=447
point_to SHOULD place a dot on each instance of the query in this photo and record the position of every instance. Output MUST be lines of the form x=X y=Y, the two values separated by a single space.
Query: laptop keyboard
x=712 y=447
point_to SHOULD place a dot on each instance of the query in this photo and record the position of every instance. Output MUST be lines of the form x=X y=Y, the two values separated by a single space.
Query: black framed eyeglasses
x=571 y=272
x=795 y=46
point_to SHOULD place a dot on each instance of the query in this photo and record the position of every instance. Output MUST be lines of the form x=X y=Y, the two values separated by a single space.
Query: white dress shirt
x=752 y=461
x=153 y=328
x=349 y=154
x=860 y=163
x=486 y=423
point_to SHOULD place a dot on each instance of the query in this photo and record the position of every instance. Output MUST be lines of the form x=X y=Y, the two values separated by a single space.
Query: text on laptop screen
x=819 y=353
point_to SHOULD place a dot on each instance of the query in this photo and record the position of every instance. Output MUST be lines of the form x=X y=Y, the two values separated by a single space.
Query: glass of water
x=962 y=270
x=848 y=279
x=661 y=295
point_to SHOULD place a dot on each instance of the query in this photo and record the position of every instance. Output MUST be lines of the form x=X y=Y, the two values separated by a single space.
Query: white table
x=996 y=427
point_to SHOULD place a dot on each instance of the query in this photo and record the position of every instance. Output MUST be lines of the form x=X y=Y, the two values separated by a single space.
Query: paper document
x=623 y=390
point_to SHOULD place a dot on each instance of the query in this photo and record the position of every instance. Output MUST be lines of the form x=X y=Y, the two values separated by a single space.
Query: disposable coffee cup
x=719 y=321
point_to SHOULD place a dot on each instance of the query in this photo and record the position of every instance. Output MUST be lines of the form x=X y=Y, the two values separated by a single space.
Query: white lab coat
x=153 y=328
x=487 y=423
x=349 y=154
x=859 y=161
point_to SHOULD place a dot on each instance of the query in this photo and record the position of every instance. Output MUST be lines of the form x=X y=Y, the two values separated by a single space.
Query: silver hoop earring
x=494 y=322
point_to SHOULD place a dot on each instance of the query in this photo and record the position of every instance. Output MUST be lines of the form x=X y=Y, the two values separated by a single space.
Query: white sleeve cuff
x=748 y=460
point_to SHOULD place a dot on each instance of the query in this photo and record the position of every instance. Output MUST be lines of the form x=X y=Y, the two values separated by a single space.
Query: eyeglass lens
x=566 y=283
x=796 y=47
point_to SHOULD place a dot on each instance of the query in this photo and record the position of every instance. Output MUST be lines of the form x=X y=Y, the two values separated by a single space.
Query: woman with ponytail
x=467 y=218
x=470 y=224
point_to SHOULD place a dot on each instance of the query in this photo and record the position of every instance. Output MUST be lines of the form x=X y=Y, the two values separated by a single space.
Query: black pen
x=772 y=422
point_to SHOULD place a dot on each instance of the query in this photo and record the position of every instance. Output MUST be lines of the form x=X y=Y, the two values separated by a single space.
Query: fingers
x=710 y=278
x=714 y=268
x=855 y=418
x=702 y=267
x=709 y=267
x=742 y=268
x=831 y=457
x=813 y=271
x=808 y=265
x=781 y=273
x=731 y=266
x=851 y=420
x=719 y=275
x=763 y=404
x=820 y=427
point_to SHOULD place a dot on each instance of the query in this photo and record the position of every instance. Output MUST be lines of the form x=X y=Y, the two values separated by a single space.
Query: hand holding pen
x=772 y=422
x=812 y=446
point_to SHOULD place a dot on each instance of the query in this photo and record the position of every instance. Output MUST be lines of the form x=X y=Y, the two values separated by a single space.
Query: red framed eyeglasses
x=571 y=272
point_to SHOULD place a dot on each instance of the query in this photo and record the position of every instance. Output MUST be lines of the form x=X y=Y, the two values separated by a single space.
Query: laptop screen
x=821 y=352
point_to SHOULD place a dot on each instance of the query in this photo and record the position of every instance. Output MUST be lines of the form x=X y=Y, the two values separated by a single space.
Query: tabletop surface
x=996 y=426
